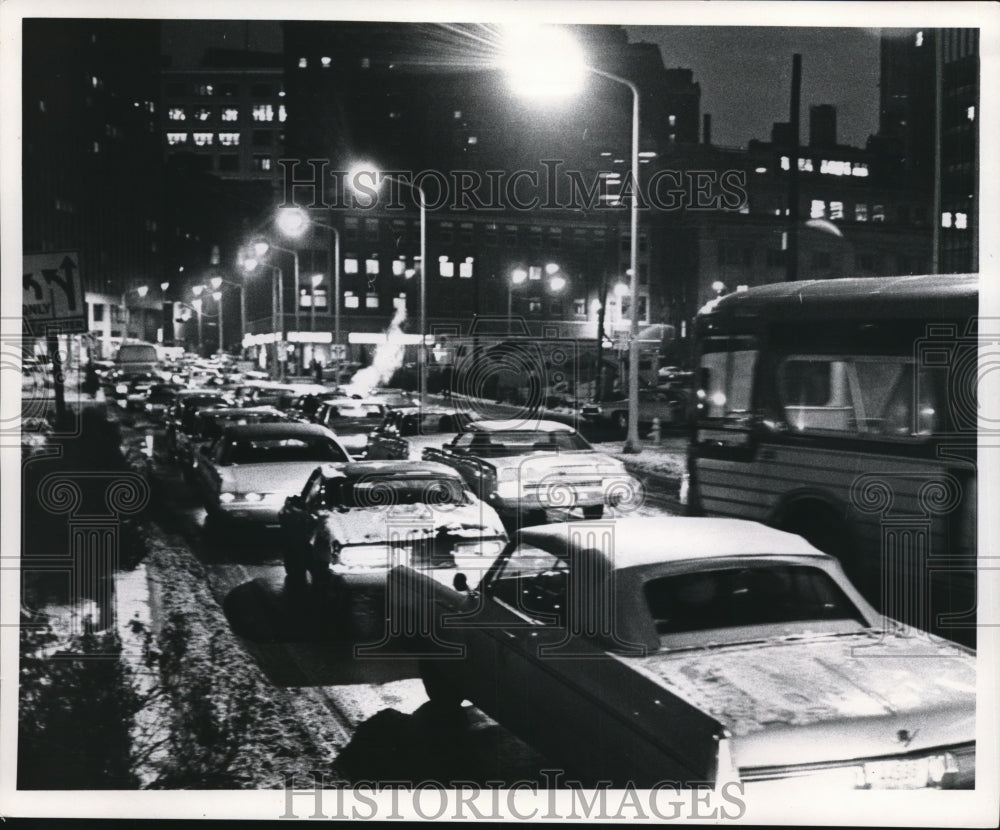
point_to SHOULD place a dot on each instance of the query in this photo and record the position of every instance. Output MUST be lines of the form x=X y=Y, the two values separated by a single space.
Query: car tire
x=440 y=689
x=594 y=512
x=620 y=422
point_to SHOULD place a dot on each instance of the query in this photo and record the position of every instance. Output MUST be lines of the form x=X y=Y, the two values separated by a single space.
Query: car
x=129 y=390
x=247 y=472
x=209 y=423
x=159 y=398
x=692 y=650
x=524 y=468
x=390 y=439
x=353 y=521
x=668 y=405
x=180 y=417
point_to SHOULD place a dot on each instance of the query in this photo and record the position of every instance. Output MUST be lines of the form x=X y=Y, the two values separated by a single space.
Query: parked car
x=128 y=389
x=208 y=424
x=180 y=417
x=354 y=521
x=247 y=472
x=159 y=398
x=523 y=469
x=698 y=651
x=669 y=405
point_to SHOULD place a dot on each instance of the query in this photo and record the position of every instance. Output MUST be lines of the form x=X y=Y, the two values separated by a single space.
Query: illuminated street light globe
x=292 y=222
x=363 y=173
x=216 y=282
x=317 y=280
x=557 y=283
x=217 y=295
x=551 y=268
x=197 y=289
x=542 y=62
x=260 y=248
x=142 y=290
x=249 y=265
x=518 y=275
x=621 y=289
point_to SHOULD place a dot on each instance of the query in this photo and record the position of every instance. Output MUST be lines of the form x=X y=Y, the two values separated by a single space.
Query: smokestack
x=706 y=128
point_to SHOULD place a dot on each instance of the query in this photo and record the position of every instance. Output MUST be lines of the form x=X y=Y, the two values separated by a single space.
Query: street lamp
x=293 y=222
x=546 y=62
x=250 y=264
x=421 y=200
x=517 y=277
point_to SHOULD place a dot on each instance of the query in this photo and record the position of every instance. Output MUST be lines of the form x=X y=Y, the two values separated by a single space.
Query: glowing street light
x=557 y=283
x=517 y=277
x=545 y=62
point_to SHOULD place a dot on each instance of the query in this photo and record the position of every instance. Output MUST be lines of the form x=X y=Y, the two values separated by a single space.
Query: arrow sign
x=53 y=293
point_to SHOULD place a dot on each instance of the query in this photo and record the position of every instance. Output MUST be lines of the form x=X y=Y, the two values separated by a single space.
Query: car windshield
x=278 y=449
x=521 y=442
x=380 y=492
x=161 y=394
x=765 y=594
x=212 y=424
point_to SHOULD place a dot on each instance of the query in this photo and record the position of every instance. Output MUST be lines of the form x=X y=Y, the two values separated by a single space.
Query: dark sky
x=744 y=72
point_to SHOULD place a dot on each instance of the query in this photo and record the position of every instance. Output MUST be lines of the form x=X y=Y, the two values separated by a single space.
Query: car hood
x=574 y=462
x=829 y=699
x=286 y=478
x=374 y=525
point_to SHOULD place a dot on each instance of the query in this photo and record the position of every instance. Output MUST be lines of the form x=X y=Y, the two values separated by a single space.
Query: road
x=380 y=724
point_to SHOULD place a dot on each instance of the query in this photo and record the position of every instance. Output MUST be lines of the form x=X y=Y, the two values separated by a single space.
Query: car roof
x=290 y=429
x=398 y=468
x=240 y=411
x=652 y=540
x=518 y=424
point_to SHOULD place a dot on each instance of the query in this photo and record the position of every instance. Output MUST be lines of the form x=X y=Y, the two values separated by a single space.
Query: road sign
x=53 y=294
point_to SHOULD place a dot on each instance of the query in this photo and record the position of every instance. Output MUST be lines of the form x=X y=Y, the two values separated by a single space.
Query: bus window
x=725 y=383
x=867 y=396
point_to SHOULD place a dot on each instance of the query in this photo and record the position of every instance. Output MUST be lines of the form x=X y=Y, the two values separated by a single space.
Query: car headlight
x=122 y=389
x=227 y=498
x=252 y=497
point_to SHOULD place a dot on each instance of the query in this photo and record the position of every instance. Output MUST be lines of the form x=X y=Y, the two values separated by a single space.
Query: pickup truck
x=704 y=652
x=522 y=469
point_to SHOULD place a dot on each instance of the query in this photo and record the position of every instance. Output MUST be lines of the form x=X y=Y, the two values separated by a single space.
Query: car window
x=534 y=582
x=283 y=450
x=737 y=597
x=380 y=491
x=520 y=442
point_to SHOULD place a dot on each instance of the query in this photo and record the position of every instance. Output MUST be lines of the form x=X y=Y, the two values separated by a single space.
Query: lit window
x=371 y=266
x=41 y=106
x=282 y=114
x=230 y=114
x=150 y=106
x=399 y=303
x=263 y=112
x=398 y=267
x=350 y=265
x=326 y=62
x=920 y=39
x=458 y=113
x=465 y=268
x=395 y=115
x=806 y=165
x=535 y=272
x=95 y=82
x=176 y=114
x=534 y=305
x=835 y=168
x=177 y=138
x=817 y=210
x=836 y=210
x=351 y=300
x=97 y=146
x=303 y=63
x=785 y=163
x=202 y=114
x=202 y=139
x=878 y=213
x=970 y=113
x=860 y=170
x=672 y=120
x=961 y=221
x=229 y=139
x=371 y=300
x=579 y=307
x=262 y=162
x=473 y=139
x=206 y=89
x=861 y=212
x=446 y=267
x=366 y=63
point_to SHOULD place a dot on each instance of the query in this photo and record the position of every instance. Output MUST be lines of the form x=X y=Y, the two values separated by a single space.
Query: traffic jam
x=534 y=579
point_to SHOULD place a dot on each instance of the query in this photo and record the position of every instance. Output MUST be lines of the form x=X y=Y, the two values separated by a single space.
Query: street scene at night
x=510 y=419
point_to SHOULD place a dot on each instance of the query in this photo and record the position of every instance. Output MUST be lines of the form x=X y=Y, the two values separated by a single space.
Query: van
x=135 y=356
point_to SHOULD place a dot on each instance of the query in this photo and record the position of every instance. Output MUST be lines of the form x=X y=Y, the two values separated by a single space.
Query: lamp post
x=293 y=222
x=546 y=61
x=314 y=282
x=517 y=277
x=196 y=305
x=421 y=200
x=259 y=250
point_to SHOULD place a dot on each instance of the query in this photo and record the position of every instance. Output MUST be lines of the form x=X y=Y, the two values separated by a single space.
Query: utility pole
x=792 y=265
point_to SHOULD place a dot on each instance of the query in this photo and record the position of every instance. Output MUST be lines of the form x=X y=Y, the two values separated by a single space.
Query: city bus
x=845 y=411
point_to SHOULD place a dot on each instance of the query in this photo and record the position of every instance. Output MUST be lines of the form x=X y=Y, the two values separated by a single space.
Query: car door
x=206 y=474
